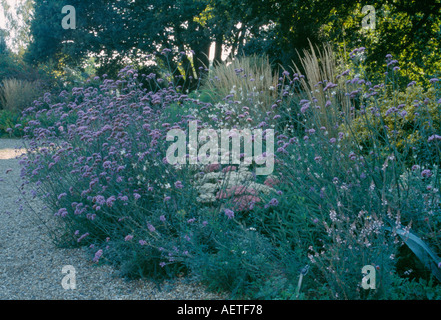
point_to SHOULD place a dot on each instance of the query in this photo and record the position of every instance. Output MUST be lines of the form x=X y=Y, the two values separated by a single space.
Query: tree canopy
x=116 y=31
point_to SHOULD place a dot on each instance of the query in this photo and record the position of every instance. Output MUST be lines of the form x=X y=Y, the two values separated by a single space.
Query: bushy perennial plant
x=340 y=197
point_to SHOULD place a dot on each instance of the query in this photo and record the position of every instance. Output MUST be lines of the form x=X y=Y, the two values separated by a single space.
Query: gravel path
x=31 y=266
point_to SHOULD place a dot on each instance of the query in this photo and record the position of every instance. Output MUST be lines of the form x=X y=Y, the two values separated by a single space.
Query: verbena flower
x=98 y=255
x=62 y=212
x=434 y=137
x=82 y=237
x=61 y=195
x=274 y=202
x=110 y=201
x=100 y=200
x=151 y=227
x=426 y=173
x=229 y=213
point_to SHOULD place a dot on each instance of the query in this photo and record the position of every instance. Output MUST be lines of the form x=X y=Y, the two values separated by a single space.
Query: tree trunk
x=218 y=50
x=201 y=59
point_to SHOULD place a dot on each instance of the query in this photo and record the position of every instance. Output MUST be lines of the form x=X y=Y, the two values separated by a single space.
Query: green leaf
x=426 y=255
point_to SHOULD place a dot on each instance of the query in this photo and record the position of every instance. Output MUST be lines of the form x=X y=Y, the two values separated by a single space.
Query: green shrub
x=410 y=118
x=416 y=289
x=230 y=257
x=11 y=123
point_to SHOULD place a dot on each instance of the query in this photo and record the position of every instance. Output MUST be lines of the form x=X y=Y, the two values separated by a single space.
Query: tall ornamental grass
x=16 y=95
x=248 y=82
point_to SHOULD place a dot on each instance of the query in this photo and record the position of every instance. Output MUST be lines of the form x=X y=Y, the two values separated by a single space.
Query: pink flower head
x=271 y=182
x=213 y=167
x=228 y=169
x=245 y=202
x=235 y=191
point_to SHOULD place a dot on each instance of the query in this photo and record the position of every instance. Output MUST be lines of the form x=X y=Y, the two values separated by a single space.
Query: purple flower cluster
x=229 y=213
x=102 y=154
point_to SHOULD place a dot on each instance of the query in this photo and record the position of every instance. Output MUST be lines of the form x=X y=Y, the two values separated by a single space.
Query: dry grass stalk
x=320 y=68
x=16 y=95
x=249 y=80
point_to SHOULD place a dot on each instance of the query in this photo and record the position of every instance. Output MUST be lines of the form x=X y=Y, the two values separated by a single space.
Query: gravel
x=31 y=265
